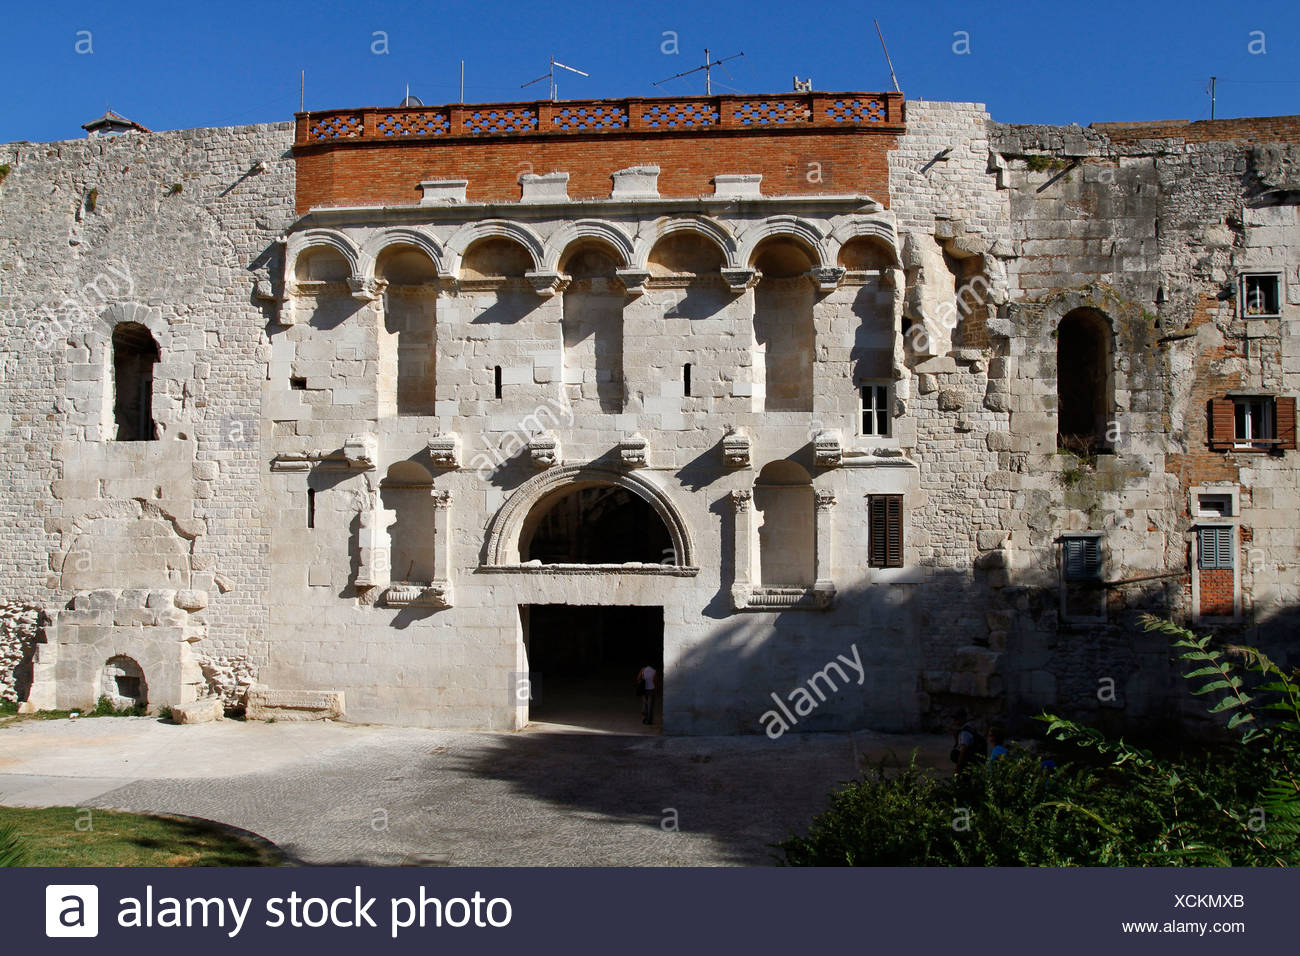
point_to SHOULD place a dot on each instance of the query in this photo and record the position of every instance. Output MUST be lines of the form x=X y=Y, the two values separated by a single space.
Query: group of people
x=969 y=745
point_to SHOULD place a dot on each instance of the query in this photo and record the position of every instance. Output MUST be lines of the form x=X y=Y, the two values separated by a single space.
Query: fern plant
x=1241 y=808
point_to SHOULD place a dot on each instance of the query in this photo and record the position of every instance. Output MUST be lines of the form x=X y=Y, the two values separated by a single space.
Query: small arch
x=708 y=229
x=407 y=492
x=783 y=503
x=304 y=247
x=606 y=234
x=123 y=684
x=789 y=227
x=867 y=254
x=408 y=240
x=870 y=228
x=135 y=353
x=495 y=257
x=506 y=532
x=469 y=234
x=686 y=254
x=1084 y=381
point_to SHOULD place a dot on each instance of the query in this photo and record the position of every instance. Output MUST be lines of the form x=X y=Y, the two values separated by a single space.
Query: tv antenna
x=708 y=64
x=887 y=59
x=550 y=75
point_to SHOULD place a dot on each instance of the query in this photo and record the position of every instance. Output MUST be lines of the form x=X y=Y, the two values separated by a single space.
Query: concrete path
x=343 y=794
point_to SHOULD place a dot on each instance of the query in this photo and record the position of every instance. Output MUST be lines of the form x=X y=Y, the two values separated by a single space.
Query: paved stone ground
x=344 y=794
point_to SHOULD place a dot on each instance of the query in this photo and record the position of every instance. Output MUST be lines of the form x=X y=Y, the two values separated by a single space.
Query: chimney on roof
x=112 y=124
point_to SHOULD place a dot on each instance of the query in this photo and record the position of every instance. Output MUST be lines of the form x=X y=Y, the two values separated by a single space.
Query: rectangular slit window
x=686 y=379
x=311 y=507
x=497 y=381
x=875 y=409
x=1261 y=296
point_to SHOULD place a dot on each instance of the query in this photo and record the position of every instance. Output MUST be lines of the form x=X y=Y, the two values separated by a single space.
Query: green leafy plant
x=92 y=199
x=166 y=713
x=1109 y=803
x=5 y=170
x=106 y=708
x=13 y=851
x=176 y=188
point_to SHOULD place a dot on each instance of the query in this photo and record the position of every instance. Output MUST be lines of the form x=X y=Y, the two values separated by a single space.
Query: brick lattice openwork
x=634 y=114
x=431 y=123
x=764 y=112
x=590 y=117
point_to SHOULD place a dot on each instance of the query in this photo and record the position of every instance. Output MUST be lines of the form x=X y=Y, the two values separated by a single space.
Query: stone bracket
x=634 y=280
x=544 y=450
x=740 y=279
x=361 y=451
x=546 y=284
x=634 y=451
x=828 y=449
x=444 y=451
x=436 y=594
x=736 y=448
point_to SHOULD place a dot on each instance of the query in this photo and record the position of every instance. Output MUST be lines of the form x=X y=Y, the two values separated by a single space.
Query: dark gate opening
x=583 y=663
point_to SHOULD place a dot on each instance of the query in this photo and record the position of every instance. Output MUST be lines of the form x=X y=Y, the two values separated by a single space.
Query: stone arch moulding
x=1097 y=298
x=373 y=247
x=573 y=232
x=859 y=227
x=507 y=525
x=708 y=228
x=148 y=316
x=791 y=227
x=300 y=242
x=467 y=235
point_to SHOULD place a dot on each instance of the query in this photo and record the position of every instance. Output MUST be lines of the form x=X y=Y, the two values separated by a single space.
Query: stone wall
x=20 y=628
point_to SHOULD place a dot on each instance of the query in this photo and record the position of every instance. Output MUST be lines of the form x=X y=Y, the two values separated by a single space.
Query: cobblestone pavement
x=345 y=794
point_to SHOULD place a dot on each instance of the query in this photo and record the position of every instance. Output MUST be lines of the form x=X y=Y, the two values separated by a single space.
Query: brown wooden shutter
x=1223 y=424
x=894 y=534
x=1285 y=423
x=877 y=552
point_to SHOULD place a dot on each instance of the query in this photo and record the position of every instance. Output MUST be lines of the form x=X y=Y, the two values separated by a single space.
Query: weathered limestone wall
x=169 y=230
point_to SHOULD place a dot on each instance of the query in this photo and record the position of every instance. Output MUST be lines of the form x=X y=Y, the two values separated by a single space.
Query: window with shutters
x=1082 y=558
x=885 y=531
x=1252 y=423
x=1261 y=295
x=1214 y=547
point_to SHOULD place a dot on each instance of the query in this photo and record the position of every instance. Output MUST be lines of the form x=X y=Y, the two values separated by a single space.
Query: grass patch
x=80 y=836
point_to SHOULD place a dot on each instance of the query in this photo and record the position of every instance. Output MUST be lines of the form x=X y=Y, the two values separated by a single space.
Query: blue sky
x=185 y=64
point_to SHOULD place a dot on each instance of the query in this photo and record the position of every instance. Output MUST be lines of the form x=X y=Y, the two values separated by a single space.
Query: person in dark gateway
x=645 y=689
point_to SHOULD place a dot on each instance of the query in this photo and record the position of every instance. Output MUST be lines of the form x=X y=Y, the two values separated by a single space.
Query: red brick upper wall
x=1250 y=129
x=801 y=143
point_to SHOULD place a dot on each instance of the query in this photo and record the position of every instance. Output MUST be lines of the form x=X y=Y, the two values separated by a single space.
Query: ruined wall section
x=954 y=223
x=172 y=231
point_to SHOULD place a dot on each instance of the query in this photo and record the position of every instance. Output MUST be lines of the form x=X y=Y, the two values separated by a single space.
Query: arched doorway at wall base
x=582 y=663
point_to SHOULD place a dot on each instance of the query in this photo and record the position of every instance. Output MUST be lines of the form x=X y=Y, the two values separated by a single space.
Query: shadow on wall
x=651 y=781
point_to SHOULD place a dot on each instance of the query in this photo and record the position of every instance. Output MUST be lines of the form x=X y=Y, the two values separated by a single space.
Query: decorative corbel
x=444 y=451
x=736 y=448
x=826 y=278
x=740 y=279
x=544 y=450
x=547 y=284
x=633 y=451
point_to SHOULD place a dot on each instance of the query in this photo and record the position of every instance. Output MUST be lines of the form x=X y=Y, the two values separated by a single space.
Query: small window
x=1214 y=506
x=1261 y=296
x=311 y=507
x=885 y=531
x=298 y=384
x=135 y=353
x=497 y=380
x=1214 y=547
x=1252 y=422
x=875 y=409
x=686 y=379
x=1082 y=557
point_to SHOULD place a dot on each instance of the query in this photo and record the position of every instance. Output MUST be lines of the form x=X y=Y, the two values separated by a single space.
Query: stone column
x=743 y=529
x=823 y=570
x=442 y=544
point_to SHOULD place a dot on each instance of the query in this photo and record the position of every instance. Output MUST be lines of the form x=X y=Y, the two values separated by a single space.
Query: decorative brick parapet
x=570 y=117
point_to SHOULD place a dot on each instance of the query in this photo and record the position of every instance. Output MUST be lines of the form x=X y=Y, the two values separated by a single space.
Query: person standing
x=645 y=683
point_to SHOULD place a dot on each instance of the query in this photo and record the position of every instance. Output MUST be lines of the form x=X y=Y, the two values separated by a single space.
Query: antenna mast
x=708 y=80
x=550 y=76
x=887 y=59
